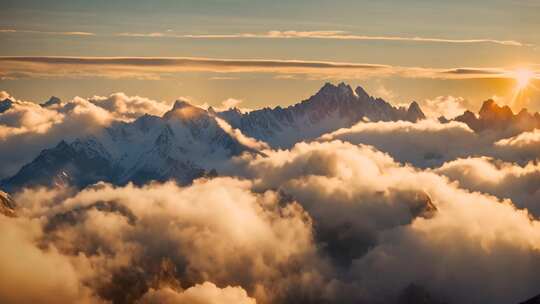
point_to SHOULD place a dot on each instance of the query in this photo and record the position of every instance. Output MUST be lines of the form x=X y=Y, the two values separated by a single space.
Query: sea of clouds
x=359 y=215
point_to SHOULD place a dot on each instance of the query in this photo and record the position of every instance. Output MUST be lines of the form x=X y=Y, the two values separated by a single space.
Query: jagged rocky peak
x=500 y=118
x=7 y=205
x=5 y=105
x=211 y=110
x=146 y=122
x=469 y=118
x=415 y=112
x=491 y=110
x=361 y=93
x=331 y=90
x=183 y=110
x=52 y=101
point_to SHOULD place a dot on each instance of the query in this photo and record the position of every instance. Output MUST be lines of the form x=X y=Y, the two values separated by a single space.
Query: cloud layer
x=360 y=215
x=332 y=35
x=322 y=222
x=26 y=128
x=275 y=34
x=154 y=67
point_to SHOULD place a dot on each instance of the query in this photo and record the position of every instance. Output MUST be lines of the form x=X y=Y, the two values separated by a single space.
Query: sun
x=523 y=78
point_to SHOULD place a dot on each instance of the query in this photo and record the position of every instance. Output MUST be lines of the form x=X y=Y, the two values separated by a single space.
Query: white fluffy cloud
x=502 y=179
x=325 y=221
x=385 y=219
x=334 y=220
x=425 y=143
x=429 y=143
x=26 y=128
x=33 y=274
x=133 y=239
x=206 y=293
x=447 y=106
x=522 y=147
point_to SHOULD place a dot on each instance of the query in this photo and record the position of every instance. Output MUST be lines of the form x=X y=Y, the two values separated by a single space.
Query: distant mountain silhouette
x=493 y=117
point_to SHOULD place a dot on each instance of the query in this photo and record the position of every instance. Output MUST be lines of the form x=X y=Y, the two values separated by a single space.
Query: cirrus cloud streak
x=13 y=67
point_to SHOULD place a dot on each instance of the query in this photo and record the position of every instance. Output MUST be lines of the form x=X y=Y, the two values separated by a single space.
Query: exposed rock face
x=5 y=105
x=182 y=145
x=496 y=118
x=7 y=205
x=52 y=101
x=331 y=108
x=416 y=294
x=187 y=142
x=533 y=300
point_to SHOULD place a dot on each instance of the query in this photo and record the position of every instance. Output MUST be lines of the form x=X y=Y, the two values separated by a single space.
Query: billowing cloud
x=240 y=137
x=206 y=293
x=130 y=107
x=379 y=219
x=33 y=274
x=502 y=179
x=227 y=104
x=447 y=106
x=525 y=139
x=133 y=239
x=426 y=143
x=522 y=147
x=429 y=143
x=321 y=222
x=351 y=217
x=26 y=128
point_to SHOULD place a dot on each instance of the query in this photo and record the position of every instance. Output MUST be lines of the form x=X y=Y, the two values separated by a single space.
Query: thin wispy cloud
x=69 y=33
x=335 y=35
x=156 y=67
x=289 y=34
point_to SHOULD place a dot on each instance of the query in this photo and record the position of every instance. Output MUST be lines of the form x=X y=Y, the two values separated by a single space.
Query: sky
x=269 y=53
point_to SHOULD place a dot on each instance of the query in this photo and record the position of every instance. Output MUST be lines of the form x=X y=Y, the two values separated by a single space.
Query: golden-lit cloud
x=206 y=293
x=332 y=35
x=319 y=221
x=26 y=128
x=502 y=179
x=277 y=34
x=156 y=67
x=69 y=33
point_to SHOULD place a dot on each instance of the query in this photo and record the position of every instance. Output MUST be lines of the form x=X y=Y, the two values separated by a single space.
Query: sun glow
x=523 y=78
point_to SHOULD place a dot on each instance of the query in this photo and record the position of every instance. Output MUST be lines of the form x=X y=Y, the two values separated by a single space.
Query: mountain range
x=331 y=108
x=188 y=142
x=500 y=118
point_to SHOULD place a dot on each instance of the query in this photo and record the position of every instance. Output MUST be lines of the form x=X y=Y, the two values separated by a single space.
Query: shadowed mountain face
x=5 y=105
x=493 y=117
x=182 y=145
x=533 y=300
x=187 y=142
x=416 y=294
x=332 y=108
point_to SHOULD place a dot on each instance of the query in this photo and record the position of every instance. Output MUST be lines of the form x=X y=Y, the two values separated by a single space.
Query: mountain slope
x=493 y=117
x=187 y=142
x=184 y=144
x=331 y=108
x=533 y=300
